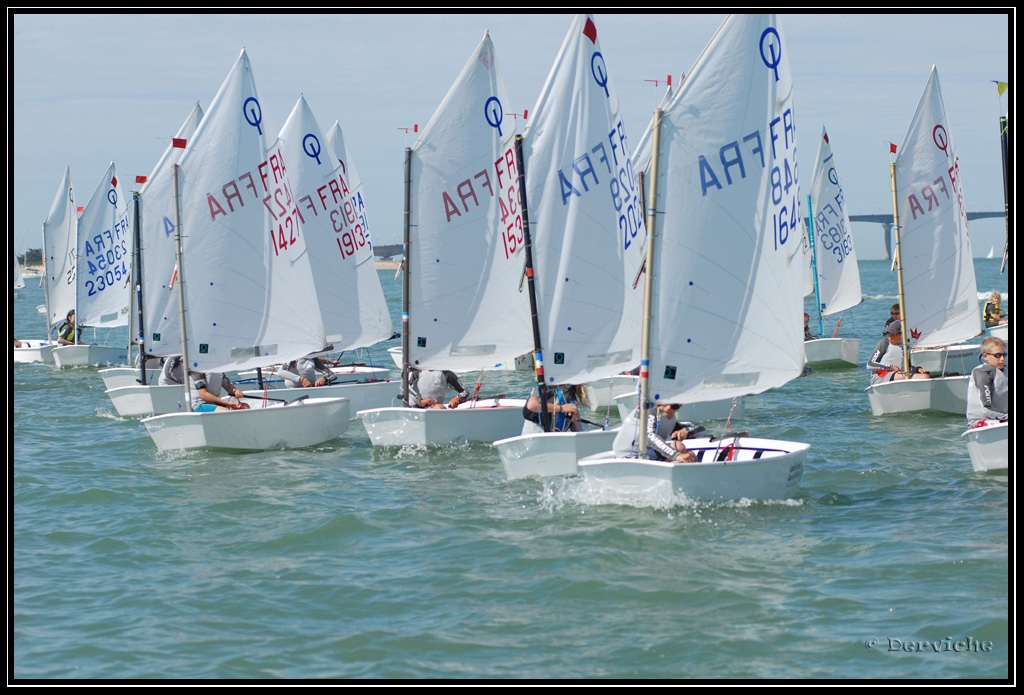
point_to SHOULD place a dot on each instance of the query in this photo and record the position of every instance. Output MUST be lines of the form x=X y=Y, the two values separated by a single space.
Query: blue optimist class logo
x=600 y=72
x=494 y=113
x=253 y=113
x=311 y=146
x=771 y=50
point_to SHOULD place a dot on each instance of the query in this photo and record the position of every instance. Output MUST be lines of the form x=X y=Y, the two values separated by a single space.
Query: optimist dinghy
x=461 y=300
x=934 y=264
x=833 y=262
x=725 y=274
x=242 y=302
x=582 y=267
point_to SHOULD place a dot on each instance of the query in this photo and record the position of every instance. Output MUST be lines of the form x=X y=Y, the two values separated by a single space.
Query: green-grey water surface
x=340 y=561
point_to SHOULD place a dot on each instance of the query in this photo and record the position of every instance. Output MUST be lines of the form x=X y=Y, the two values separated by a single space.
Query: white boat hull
x=832 y=353
x=542 y=455
x=278 y=426
x=989 y=447
x=353 y=374
x=1002 y=332
x=481 y=421
x=603 y=392
x=34 y=351
x=960 y=359
x=345 y=374
x=138 y=400
x=774 y=474
x=947 y=394
x=65 y=356
x=116 y=377
x=523 y=363
x=362 y=396
x=690 y=412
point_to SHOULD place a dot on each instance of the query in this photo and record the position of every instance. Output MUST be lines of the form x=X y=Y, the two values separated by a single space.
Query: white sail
x=19 y=281
x=728 y=275
x=249 y=292
x=104 y=256
x=940 y=291
x=585 y=217
x=838 y=274
x=333 y=216
x=159 y=294
x=375 y=316
x=466 y=309
x=60 y=236
x=805 y=244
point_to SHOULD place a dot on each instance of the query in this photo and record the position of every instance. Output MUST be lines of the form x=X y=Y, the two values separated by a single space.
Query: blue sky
x=88 y=89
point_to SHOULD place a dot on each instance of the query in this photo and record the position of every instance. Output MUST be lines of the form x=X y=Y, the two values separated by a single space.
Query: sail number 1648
x=786 y=218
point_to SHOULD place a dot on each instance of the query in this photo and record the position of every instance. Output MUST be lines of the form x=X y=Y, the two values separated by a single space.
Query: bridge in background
x=885 y=220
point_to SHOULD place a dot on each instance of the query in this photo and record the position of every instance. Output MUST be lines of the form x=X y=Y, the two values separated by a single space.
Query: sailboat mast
x=645 y=336
x=1004 y=138
x=814 y=265
x=538 y=354
x=898 y=262
x=405 y=275
x=46 y=286
x=137 y=273
x=182 y=325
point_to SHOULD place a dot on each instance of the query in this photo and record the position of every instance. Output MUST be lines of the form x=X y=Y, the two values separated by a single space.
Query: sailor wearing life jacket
x=563 y=404
x=886 y=363
x=428 y=388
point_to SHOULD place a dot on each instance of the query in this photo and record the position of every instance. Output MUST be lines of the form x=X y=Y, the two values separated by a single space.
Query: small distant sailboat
x=991 y=252
x=102 y=277
x=934 y=264
x=836 y=275
x=19 y=281
x=60 y=234
x=462 y=307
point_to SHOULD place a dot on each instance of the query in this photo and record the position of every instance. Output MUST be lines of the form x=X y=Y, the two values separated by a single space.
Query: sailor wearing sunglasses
x=988 y=391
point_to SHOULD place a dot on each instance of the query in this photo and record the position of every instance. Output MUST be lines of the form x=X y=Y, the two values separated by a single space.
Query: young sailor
x=306 y=372
x=428 y=388
x=562 y=403
x=665 y=435
x=992 y=314
x=886 y=363
x=208 y=389
x=988 y=391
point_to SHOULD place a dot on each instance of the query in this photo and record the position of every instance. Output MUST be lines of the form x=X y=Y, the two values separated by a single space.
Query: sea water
x=341 y=561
